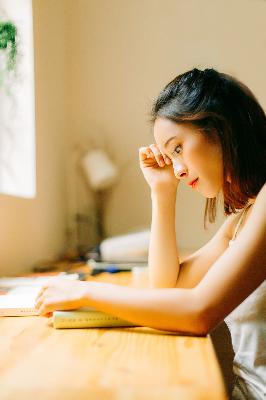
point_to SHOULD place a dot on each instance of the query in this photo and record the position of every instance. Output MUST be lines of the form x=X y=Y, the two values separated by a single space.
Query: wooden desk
x=42 y=363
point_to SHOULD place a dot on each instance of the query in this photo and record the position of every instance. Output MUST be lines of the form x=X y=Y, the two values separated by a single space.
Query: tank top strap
x=240 y=221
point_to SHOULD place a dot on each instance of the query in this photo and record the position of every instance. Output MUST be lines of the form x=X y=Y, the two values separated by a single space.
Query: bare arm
x=163 y=253
x=232 y=278
x=165 y=309
x=165 y=268
x=194 y=267
x=239 y=271
x=226 y=284
x=218 y=288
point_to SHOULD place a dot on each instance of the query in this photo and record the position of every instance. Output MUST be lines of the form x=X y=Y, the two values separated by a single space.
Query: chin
x=208 y=195
x=211 y=193
x=207 y=189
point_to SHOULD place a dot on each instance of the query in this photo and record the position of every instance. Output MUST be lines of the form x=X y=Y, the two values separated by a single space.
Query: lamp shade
x=100 y=171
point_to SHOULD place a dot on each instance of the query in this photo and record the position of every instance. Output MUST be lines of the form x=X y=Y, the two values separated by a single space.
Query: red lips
x=193 y=183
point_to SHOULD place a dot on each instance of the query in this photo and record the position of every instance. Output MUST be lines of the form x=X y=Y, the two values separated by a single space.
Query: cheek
x=195 y=156
x=204 y=157
x=215 y=158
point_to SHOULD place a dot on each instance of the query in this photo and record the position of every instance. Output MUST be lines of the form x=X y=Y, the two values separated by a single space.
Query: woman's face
x=193 y=156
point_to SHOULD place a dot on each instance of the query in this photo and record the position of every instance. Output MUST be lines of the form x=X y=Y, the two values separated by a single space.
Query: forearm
x=166 y=309
x=163 y=252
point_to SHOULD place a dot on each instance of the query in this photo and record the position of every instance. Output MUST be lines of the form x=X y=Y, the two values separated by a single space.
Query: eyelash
x=176 y=152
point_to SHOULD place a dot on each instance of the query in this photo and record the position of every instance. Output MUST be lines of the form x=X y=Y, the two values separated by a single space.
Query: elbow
x=206 y=316
x=196 y=320
x=195 y=325
x=206 y=321
x=202 y=322
x=202 y=325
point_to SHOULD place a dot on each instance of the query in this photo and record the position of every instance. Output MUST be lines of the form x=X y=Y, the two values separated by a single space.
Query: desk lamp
x=101 y=174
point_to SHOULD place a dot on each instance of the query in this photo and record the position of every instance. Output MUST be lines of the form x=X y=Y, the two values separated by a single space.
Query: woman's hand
x=157 y=169
x=61 y=295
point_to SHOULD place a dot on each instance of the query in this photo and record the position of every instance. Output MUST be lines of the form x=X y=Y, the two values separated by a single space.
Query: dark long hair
x=221 y=107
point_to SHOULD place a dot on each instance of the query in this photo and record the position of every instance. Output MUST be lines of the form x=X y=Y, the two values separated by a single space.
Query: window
x=17 y=119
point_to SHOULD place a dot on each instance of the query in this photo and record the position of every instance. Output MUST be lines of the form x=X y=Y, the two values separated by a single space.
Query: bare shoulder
x=259 y=205
x=260 y=201
x=256 y=223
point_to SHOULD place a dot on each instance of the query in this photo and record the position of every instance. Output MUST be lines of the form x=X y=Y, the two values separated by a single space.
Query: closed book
x=86 y=317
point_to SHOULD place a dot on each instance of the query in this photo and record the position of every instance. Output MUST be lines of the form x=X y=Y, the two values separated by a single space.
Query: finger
x=51 y=304
x=48 y=315
x=167 y=160
x=150 y=153
x=39 y=302
x=45 y=313
x=158 y=155
x=45 y=308
x=39 y=295
x=144 y=153
x=42 y=289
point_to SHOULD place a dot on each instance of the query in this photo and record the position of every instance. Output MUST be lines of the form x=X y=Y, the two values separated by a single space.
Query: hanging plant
x=8 y=43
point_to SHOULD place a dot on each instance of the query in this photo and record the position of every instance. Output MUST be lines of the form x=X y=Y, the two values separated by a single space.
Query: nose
x=180 y=170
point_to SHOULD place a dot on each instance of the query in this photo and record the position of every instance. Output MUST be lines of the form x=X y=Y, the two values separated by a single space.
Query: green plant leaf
x=8 y=43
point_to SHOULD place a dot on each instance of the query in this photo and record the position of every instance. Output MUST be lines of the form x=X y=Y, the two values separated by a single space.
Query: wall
x=122 y=54
x=98 y=66
x=33 y=230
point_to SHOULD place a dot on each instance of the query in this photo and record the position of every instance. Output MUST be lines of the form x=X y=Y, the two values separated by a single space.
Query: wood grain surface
x=40 y=362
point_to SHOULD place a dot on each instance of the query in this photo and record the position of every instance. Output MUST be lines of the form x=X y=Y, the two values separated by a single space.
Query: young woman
x=210 y=131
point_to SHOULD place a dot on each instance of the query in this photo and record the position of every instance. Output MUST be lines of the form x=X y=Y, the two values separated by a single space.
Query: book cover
x=86 y=317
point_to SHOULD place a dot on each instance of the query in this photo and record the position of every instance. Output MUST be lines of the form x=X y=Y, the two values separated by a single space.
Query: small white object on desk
x=132 y=247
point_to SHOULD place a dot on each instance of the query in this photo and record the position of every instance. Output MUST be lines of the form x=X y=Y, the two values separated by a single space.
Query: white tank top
x=247 y=325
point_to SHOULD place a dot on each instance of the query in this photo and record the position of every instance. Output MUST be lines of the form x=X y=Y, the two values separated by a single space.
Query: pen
x=111 y=269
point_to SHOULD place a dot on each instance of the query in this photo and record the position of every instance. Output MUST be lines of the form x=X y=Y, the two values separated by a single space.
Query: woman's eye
x=177 y=150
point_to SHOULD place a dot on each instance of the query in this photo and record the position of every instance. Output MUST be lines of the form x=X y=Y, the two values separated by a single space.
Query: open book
x=18 y=294
x=86 y=317
x=19 y=302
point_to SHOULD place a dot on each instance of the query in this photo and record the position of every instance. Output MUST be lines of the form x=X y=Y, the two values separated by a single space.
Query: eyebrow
x=169 y=140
